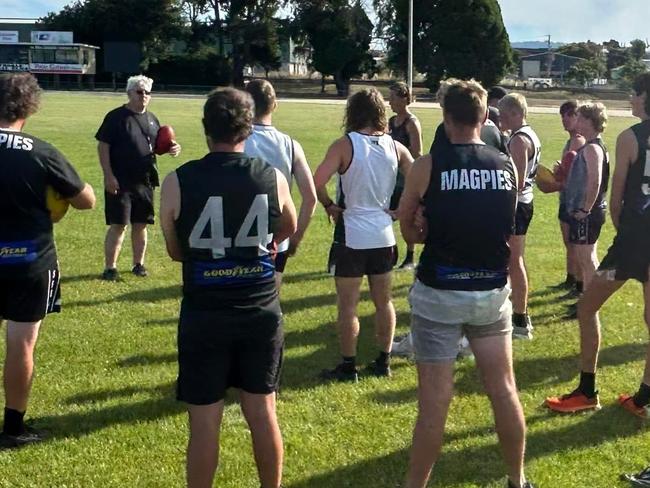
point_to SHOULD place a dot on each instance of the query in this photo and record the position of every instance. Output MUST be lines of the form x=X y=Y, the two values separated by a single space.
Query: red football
x=164 y=140
x=565 y=165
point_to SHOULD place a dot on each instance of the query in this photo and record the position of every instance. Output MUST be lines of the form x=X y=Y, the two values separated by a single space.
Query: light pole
x=409 y=77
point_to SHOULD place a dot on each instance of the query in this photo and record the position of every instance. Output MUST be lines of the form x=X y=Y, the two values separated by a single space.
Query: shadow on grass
x=78 y=424
x=147 y=360
x=480 y=465
x=83 y=277
x=147 y=296
x=531 y=373
x=291 y=278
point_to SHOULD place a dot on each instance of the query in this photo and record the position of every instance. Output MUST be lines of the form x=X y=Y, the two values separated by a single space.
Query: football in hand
x=546 y=181
x=56 y=204
x=565 y=166
x=164 y=140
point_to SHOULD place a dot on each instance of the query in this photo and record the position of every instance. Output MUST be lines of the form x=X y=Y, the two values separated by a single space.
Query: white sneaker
x=403 y=348
x=465 y=351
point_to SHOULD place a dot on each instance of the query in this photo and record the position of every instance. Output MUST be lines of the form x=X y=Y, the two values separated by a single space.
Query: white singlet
x=366 y=188
x=526 y=194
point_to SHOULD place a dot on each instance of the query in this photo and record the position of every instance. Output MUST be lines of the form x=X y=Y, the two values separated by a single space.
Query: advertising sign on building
x=14 y=67
x=8 y=37
x=56 y=68
x=51 y=37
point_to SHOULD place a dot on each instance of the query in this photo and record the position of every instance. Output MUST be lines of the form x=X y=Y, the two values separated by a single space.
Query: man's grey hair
x=134 y=82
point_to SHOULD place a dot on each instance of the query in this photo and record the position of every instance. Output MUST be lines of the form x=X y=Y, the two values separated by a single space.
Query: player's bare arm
x=414 y=130
x=336 y=160
x=170 y=208
x=594 y=159
x=404 y=159
x=576 y=143
x=519 y=151
x=627 y=150
x=85 y=199
x=305 y=183
x=417 y=182
x=110 y=182
x=288 y=220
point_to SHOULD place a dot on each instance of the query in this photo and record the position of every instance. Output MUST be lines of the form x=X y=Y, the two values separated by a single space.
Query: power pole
x=409 y=78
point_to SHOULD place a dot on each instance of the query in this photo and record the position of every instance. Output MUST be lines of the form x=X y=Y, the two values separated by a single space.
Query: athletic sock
x=570 y=279
x=519 y=319
x=349 y=363
x=580 y=286
x=587 y=384
x=409 y=256
x=13 y=422
x=383 y=358
x=642 y=397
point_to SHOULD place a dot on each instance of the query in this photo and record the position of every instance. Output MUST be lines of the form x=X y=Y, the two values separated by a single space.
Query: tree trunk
x=342 y=85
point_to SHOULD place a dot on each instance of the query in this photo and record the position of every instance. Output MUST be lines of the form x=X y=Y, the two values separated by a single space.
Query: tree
x=637 y=49
x=340 y=36
x=630 y=71
x=584 y=50
x=460 y=38
x=96 y=21
x=585 y=71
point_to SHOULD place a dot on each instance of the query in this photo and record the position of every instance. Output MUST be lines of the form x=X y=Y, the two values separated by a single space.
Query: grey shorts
x=435 y=342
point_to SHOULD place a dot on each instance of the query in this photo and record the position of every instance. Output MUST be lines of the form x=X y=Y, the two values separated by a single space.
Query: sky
x=526 y=20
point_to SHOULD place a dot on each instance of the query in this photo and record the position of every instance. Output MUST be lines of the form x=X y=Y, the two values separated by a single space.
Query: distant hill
x=535 y=45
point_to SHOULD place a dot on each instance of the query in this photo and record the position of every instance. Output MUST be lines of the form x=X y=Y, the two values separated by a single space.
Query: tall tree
x=339 y=33
x=459 y=38
x=150 y=22
x=637 y=49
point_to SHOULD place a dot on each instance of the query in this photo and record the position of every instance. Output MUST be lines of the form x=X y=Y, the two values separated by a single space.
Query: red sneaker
x=628 y=404
x=575 y=401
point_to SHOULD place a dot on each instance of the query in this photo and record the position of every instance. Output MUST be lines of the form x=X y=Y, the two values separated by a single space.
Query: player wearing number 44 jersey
x=627 y=258
x=220 y=216
x=29 y=270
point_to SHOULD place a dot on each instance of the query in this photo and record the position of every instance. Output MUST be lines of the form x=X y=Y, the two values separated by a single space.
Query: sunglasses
x=143 y=92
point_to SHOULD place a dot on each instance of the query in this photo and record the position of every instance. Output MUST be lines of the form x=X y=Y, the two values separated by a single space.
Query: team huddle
x=229 y=218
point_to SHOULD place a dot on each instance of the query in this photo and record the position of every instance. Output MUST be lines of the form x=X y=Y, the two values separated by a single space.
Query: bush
x=201 y=68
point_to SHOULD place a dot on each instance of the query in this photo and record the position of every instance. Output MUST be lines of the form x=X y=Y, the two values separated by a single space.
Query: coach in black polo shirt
x=29 y=270
x=126 y=138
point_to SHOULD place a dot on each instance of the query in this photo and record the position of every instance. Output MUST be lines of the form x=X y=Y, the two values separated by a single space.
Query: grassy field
x=106 y=366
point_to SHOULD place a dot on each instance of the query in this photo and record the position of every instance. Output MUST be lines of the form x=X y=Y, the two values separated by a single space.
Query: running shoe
x=139 y=270
x=527 y=484
x=403 y=347
x=381 y=370
x=575 y=401
x=110 y=274
x=641 y=478
x=340 y=373
x=627 y=402
x=406 y=265
x=30 y=436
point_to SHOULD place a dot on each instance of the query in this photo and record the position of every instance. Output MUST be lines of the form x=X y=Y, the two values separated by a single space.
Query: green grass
x=106 y=366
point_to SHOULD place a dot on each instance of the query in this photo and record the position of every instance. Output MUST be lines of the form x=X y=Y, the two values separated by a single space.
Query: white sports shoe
x=403 y=348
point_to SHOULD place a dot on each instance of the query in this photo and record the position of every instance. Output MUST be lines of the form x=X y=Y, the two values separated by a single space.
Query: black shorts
x=562 y=214
x=281 y=259
x=219 y=349
x=30 y=298
x=345 y=262
x=395 y=197
x=629 y=255
x=134 y=206
x=523 y=216
x=587 y=230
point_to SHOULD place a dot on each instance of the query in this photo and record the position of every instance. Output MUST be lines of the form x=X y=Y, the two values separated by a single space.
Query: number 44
x=212 y=218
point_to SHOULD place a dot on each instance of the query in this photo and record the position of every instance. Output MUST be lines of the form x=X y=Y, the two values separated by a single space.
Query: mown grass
x=106 y=365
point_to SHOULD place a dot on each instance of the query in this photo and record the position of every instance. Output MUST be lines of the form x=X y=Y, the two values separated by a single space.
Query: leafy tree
x=584 y=50
x=340 y=35
x=630 y=71
x=149 y=22
x=460 y=38
x=585 y=71
x=637 y=49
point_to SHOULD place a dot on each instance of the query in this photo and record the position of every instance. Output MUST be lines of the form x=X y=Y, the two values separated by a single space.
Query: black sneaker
x=340 y=373
x=110 y=274
x=639 y=479
x=139 y=270
x=380 y=370
x=30 y=436
x=527 y=484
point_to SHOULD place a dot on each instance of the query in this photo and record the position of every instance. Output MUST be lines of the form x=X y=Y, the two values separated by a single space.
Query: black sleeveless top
x=229 y=213
x=470 y=210
x=637 y=185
